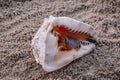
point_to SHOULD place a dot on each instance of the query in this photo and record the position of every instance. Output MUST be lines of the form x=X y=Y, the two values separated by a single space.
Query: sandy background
x=20 y=19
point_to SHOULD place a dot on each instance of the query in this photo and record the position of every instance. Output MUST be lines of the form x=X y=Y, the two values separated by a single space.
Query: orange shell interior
x=64 y=31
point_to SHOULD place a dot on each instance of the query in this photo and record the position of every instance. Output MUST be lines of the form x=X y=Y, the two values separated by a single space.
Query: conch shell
x=60 y=40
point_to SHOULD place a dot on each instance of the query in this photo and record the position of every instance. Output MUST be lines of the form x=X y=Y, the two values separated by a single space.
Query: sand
x=20 y=20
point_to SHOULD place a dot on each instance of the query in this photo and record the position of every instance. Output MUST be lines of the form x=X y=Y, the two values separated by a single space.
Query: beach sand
x=20 y=20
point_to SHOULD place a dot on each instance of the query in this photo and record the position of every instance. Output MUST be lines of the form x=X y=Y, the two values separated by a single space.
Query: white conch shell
x=47 y=46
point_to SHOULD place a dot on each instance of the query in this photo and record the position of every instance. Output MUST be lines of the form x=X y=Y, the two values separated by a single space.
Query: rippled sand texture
x=20 y=19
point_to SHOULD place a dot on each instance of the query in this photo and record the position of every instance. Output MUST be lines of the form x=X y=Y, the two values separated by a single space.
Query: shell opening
x=70 y=39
